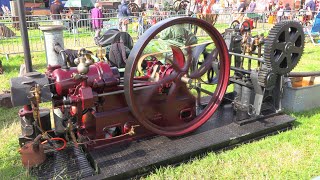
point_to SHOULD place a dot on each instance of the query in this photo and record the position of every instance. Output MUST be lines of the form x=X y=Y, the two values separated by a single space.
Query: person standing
x=46 y=3
x=96 y=15
x=311 y=8
x=287 y=12
x=72 y=17
x=280 y=11
x=123 y=15
x=241 y=9
x=205 y=8
x=56 y=10
x=252 y=6
x=195 y=8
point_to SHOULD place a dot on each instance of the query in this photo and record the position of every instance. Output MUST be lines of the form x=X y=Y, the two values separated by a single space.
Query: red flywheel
x=163 y=79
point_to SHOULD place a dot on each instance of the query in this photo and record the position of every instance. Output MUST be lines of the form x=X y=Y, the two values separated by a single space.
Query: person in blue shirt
x=123 y=15
x=311 y=8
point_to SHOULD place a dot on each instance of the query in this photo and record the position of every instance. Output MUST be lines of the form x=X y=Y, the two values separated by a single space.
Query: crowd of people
x=96 y=15
x=239 y=8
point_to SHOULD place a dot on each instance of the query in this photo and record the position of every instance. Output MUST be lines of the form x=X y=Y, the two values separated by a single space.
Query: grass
x=12 y=67
x=289 y=155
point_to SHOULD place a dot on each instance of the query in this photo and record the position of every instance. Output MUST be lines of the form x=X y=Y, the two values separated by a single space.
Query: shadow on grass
x=304 y=114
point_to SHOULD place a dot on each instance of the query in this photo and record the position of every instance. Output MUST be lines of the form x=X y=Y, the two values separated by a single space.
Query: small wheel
x=168 y=96
x=234 y=24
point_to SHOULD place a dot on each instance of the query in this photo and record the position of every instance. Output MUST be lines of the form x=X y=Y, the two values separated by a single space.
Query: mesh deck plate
x=69 y=163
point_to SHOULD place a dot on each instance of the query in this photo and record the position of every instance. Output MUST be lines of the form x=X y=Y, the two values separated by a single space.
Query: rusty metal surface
x=32 y=154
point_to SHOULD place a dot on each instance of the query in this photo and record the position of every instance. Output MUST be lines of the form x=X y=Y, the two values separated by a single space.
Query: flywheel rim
x=217 y=96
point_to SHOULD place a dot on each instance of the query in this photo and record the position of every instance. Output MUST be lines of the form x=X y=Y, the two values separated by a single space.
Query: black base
x=138 y=158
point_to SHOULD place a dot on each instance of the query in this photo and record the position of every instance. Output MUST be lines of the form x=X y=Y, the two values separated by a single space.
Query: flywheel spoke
x=280 y=58
x=289 y=60
x=295 y=49
x=295 y=37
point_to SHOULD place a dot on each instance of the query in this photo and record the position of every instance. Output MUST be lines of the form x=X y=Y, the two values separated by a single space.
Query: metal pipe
x=53 y=34
x=122 y=91
x=304 y=74
x=250 y=57
x=240 y=70
x=24 y=35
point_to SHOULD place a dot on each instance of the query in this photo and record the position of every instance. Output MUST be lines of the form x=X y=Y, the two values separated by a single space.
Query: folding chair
x=314 y=31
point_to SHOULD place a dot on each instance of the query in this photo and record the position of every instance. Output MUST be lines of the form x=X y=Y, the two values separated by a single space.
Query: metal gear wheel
x=284 y=46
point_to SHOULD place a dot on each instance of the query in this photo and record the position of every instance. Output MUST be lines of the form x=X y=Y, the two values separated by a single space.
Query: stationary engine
x=173 y=82
x=93 y=105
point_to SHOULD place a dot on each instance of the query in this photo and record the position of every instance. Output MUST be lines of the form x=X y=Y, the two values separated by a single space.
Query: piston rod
x=122 y=91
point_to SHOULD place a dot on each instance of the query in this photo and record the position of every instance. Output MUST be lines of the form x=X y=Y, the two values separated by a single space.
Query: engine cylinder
x=100 y=75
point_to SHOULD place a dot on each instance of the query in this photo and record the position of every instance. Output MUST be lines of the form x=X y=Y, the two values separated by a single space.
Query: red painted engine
x=99 y=77
x=90 y=102
x=94 y=103
x=158 y=93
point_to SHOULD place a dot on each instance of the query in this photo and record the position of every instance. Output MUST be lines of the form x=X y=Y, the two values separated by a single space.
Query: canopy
x=78 y=3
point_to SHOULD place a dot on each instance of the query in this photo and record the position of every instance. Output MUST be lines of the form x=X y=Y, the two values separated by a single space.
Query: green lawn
x=288 y=155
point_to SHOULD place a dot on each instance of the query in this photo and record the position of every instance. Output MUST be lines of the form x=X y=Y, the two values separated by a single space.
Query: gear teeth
x=270 y=65
x=272 y=40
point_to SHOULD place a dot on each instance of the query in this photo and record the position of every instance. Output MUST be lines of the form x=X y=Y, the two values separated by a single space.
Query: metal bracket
x=259 y=92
